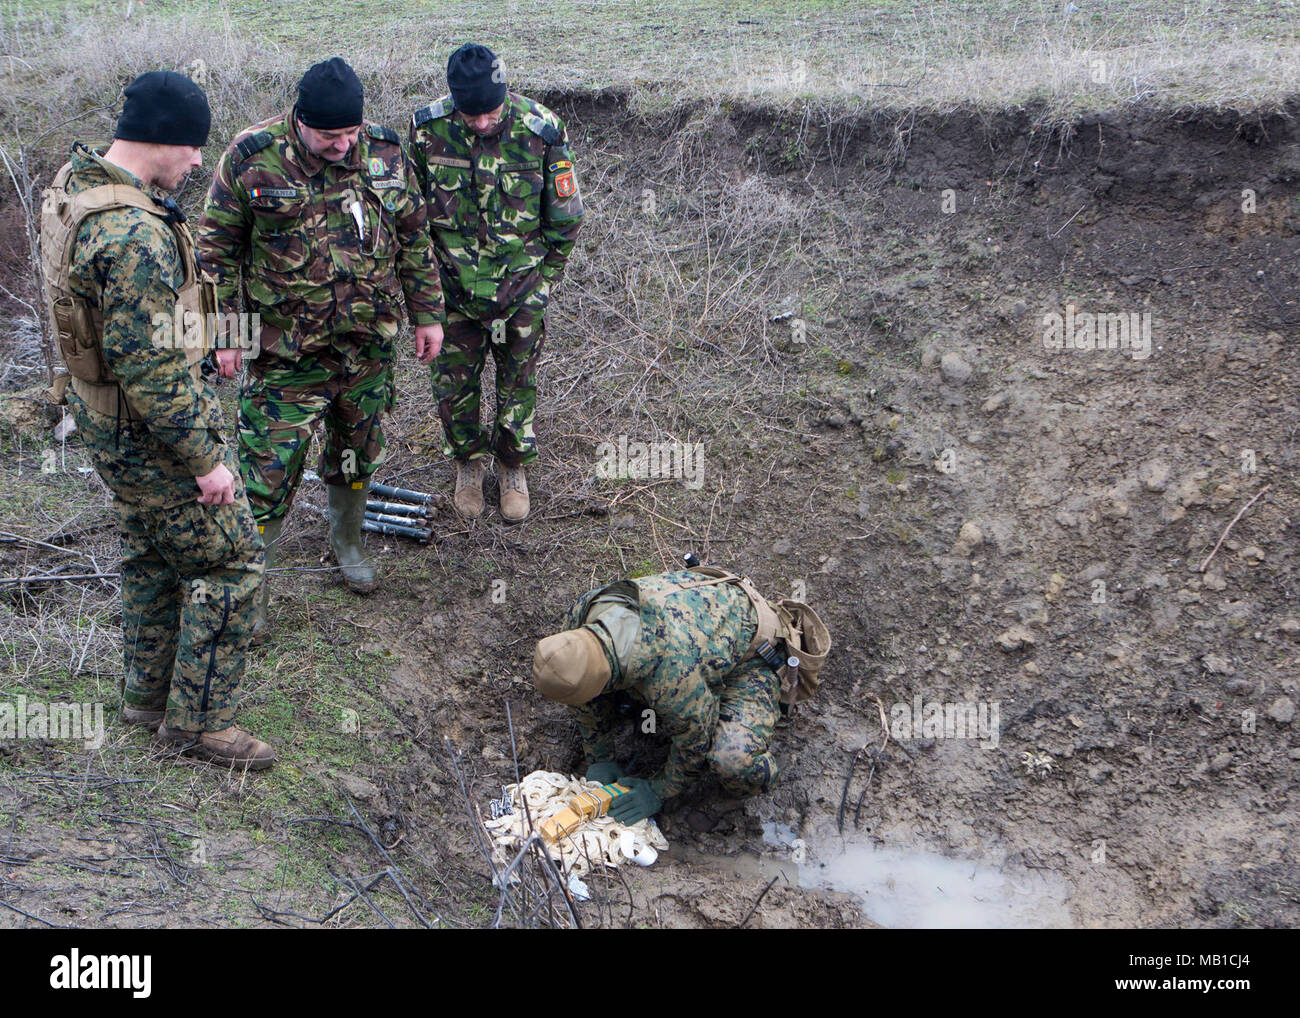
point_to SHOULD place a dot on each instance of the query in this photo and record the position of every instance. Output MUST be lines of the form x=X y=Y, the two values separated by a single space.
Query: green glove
x=604 y=771
x=637 y=803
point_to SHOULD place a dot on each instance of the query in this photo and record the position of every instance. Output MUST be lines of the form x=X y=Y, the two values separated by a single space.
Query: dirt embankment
x=1097 y=482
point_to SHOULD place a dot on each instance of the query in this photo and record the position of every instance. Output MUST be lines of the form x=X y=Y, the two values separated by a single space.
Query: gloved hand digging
x=637 y=804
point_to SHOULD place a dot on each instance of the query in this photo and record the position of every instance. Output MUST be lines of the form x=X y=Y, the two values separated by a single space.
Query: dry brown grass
x=67 y=61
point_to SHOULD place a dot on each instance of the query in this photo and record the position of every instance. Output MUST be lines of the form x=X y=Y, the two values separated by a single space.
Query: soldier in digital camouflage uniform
x=323 y=214
x=118 y=262
x=504 y=212
x=680 y=643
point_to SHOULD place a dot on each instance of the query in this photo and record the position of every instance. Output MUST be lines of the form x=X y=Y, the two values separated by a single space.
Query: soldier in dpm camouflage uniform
x=324 y=215
x=120 y=270
x=504 y=211
x=712 y=659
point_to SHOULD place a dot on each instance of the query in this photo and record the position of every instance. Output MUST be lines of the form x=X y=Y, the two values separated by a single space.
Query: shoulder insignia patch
x=381 y=133
x=434 y=111
x=252 y=144
x=542 y=129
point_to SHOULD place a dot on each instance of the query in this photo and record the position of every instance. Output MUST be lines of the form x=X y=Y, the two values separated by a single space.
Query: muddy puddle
x=904 y=888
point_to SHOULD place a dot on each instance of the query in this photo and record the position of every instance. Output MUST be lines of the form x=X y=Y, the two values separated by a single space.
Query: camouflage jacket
x=504 y=210
x=690 y=641
x=127 y=264
x=283 y=216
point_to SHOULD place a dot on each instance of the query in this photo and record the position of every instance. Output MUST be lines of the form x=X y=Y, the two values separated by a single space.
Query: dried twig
x=395 y=871
x=15 y=908
x=844 y=795
x=55 y=577
x=754 y=908
x=361 y=893
x=1233 y=524
x=1068 y=221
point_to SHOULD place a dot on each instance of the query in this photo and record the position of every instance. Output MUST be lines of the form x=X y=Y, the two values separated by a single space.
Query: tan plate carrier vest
x=806 y=636
x=78 y=325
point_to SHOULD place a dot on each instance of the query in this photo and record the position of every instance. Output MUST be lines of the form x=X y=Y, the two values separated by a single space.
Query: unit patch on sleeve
x=565 y=186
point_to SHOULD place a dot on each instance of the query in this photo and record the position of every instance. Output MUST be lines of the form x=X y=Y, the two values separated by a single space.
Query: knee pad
x=741 y=777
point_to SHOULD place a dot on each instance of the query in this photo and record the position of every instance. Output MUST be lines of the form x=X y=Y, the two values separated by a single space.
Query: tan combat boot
x=514 y=494
x=229 y=747
x=468 y=499
x=150 y=719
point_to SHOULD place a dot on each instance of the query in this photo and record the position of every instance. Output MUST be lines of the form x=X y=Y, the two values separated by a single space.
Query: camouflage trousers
x=516 y=345
x=747 y=717
x=687 y=663
x=349 y=385
x=190 y=577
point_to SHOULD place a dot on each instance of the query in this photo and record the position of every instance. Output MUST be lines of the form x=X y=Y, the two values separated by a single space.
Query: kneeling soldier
x=714 y=660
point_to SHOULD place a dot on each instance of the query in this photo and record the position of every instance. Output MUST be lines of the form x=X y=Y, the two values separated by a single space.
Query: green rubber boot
x=347 y=510
x=270 y=531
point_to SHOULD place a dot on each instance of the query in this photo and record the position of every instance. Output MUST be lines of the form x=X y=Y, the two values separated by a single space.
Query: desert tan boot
x=150 y=719
x=229 y=747
x=514 y=494
x=468 y=499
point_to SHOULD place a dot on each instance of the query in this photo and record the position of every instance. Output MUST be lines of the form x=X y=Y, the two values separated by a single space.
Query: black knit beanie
x=329 y=96
x=164 y=108
x=477 y=79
